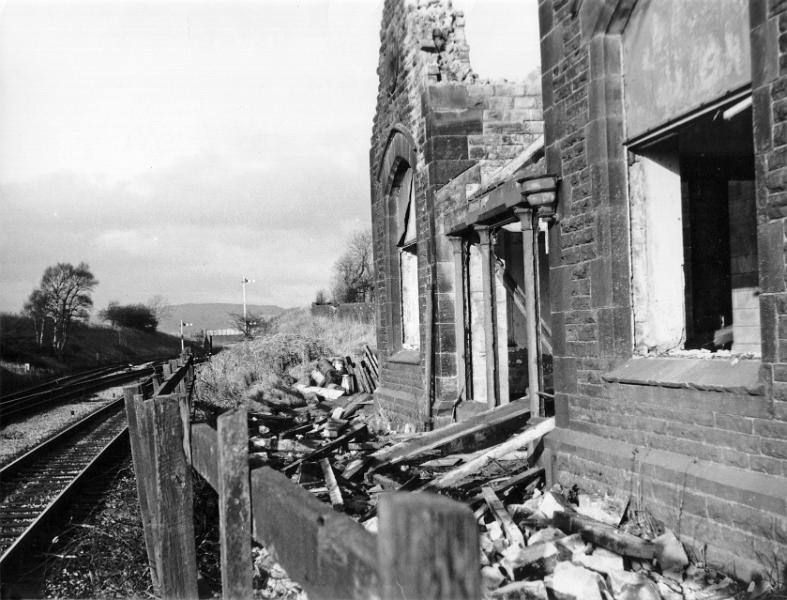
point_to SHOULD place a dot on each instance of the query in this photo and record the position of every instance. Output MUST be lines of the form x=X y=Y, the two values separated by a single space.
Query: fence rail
x=427 y=546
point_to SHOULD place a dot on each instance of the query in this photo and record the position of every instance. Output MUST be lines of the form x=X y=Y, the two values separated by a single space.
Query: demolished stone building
x=650 y=287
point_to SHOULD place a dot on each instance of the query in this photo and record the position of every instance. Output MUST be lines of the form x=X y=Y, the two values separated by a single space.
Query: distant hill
x=210 y=316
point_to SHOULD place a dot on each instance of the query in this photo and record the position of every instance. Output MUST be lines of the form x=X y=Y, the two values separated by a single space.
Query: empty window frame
x=407 y=246
x=694 y=238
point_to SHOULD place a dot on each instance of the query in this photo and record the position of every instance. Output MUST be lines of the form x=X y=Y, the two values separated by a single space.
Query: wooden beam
x=326 y=552
x=356 y=430
x=502 y=516
x=234 y=504
x=140 y=457
x=428 y=548
x=528 y=436
x=174 y=537
x=334 y=493
x=513 y=414
x=606 y=536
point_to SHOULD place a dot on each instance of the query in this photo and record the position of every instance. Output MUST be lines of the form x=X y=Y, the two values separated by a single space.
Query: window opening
x=408 y=269
x=694 y=238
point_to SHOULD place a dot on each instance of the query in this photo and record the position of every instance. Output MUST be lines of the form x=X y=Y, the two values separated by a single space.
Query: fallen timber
x=422 y=544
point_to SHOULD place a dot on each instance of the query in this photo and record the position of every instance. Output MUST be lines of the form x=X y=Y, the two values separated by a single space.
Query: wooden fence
x=427 y=546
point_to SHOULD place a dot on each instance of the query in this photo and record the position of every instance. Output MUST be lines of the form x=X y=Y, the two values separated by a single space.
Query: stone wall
x=433 y=112
x=709 y=461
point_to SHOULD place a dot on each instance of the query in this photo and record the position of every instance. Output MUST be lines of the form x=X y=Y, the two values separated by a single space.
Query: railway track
x=39 y=484
x=16 y=405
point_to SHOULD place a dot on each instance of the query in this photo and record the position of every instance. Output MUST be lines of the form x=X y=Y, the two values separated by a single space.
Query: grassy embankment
x=88 y=346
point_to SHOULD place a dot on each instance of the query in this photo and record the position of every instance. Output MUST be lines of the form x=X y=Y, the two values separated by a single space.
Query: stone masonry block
x=770 y=237
x=461 y=122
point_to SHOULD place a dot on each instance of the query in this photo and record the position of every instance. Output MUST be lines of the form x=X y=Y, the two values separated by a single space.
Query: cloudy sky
x=178 y=146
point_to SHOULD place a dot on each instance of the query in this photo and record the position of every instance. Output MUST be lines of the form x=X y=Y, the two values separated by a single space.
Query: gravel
x=23 y=434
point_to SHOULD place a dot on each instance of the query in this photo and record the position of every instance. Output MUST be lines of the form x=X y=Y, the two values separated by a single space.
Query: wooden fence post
x=427 y=548
x=185 y=418
x=174 y=532
x=234 y=504
x=141 y=460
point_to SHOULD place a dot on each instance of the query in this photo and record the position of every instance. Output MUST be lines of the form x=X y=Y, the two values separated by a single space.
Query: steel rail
x=25 y=404
x=32 y=526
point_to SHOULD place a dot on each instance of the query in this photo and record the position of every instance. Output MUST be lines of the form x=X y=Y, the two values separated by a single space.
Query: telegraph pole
x=245 y=322
x=182 y=344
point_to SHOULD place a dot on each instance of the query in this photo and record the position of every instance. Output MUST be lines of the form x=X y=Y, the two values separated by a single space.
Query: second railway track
x=36 y=485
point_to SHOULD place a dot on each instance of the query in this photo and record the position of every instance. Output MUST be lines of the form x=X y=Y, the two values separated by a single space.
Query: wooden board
x=234 y=504
x=530 y=435
x=509 y=414
x=429 y=548
x=502 y=516
x=326 y=552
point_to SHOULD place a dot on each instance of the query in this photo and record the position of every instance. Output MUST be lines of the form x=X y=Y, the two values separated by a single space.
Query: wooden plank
x=141 y=459
x=334 y=493
x=528 y=436
x=234 y=504
x=606 y=536
x=356 y=430
x=174 y=538
x=428 y=548
x=205 y=453
x=326 y=552
x=502 y=516
x=502 y=486
x=512 y=413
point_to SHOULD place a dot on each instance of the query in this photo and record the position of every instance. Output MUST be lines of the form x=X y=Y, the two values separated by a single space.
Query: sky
x=177 y=147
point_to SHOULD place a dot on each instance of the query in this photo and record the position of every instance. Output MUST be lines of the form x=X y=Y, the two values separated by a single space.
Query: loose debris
x=535 y=543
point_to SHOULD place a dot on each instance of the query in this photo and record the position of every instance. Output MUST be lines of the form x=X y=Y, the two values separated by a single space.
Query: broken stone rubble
x=295 y=431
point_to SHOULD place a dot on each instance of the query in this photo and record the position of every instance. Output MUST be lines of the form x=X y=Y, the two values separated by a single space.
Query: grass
x=280 y=355
x=88 y=346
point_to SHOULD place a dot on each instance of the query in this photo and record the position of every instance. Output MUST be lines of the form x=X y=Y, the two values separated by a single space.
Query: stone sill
x=406 y=357
x=717 y=375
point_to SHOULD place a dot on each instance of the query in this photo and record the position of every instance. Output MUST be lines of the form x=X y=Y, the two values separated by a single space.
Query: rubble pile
x=536 y=543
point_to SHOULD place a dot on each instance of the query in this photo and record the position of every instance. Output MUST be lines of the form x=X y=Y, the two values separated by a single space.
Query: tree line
x=64 y=297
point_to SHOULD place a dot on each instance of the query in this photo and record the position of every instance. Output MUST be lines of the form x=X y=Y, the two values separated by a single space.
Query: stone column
x=525 y=216
x=487 y=274
x=458 y=247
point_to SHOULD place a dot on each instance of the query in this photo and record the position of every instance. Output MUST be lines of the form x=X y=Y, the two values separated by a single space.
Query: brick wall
x=711 y=464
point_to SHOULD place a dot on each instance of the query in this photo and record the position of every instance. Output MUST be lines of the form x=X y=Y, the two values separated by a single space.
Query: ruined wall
x=432 y=106
x=707 y=459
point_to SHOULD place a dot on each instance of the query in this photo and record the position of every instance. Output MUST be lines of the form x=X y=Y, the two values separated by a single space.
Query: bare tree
x=353 y=272
x=36 y=309
x=253 y=325
x=67 y=290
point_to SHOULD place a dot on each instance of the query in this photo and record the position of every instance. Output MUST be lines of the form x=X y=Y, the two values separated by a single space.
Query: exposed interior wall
x=656 y=251
x=743 y=267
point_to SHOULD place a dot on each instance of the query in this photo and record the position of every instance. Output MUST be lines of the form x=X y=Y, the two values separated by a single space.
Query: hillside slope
x=88 y=346
x=210 y=316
